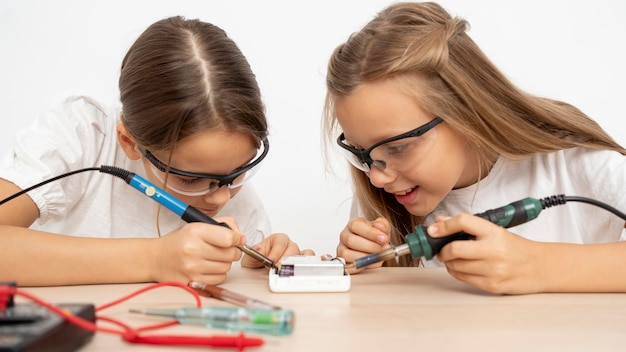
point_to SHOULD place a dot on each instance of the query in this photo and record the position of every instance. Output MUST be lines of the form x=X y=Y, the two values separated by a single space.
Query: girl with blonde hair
x=434 y=132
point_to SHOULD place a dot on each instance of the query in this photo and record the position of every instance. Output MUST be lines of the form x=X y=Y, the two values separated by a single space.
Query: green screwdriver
x=233 y=319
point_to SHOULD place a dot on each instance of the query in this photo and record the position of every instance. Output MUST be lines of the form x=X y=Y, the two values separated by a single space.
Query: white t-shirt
x=79 y=133
x=596 y=174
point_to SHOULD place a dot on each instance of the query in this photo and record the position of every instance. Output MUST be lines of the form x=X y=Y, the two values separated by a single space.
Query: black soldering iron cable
x=185 y=211
x=596 y=203
x=551 y=201
x=46 y=182
x=546 y=202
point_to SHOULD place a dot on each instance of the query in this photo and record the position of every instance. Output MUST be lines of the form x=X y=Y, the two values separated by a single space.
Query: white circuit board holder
x=310 y=274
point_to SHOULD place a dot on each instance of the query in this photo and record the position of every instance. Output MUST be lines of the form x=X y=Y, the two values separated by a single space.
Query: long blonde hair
x=430 y=55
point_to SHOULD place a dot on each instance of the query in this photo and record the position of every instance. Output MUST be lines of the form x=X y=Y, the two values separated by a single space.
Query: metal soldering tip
x=258 y=256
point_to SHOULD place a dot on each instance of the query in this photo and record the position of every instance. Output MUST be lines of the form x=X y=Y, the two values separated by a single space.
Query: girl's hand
x=197 y=251
x=497 y=260
x=362 y=237
x=275 y=247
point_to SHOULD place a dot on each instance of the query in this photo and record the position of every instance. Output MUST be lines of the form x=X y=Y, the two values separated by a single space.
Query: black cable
x=46 y=182
x=546 y=202
x=598 y=204
x=562 y=199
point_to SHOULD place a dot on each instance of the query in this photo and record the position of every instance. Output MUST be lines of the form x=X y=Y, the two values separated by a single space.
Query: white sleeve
x=66 y=138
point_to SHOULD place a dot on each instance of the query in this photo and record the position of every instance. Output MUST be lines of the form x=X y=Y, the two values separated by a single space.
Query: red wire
x=132 y=335
x=140 y=291
x=76 y=320
x=150 y=287
x=126 y=327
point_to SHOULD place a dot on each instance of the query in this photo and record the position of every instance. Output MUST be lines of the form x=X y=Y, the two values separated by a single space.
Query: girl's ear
x=127 y=142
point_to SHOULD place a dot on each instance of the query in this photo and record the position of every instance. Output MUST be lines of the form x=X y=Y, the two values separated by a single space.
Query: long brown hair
x=183 y=76
x=432 y=58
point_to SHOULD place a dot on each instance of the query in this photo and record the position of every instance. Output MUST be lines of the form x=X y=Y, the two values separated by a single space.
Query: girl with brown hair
x=192 y=122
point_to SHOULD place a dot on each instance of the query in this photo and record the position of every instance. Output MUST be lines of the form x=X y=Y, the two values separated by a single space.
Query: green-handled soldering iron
x=420 y=244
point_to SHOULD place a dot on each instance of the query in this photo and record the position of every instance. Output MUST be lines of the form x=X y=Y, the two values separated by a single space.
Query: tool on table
x=233 y=319
x=223 y=294
x=186 y=212
x=31 y=327
x=420 y=244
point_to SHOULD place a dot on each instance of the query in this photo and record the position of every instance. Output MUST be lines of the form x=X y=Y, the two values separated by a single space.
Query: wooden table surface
x=416 y=309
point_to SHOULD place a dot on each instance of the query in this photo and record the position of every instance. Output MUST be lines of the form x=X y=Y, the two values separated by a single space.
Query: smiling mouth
x=405 y=192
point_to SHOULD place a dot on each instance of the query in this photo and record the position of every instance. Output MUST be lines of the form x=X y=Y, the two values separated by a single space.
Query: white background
x=568 y=50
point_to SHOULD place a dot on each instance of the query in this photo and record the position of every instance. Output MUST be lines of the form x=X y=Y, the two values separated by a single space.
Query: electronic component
x=31 y=327
x=309 y=274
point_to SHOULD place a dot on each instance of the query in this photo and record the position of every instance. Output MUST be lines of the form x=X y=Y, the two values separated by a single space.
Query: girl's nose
x=218 y=197
x=379 y=178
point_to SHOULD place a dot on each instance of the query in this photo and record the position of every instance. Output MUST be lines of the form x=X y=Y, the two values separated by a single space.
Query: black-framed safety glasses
x=362 y=159
x=194 y=183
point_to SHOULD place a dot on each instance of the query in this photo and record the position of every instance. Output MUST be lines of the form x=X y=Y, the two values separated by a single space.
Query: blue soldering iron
x=420 y=244
x=186 y=212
